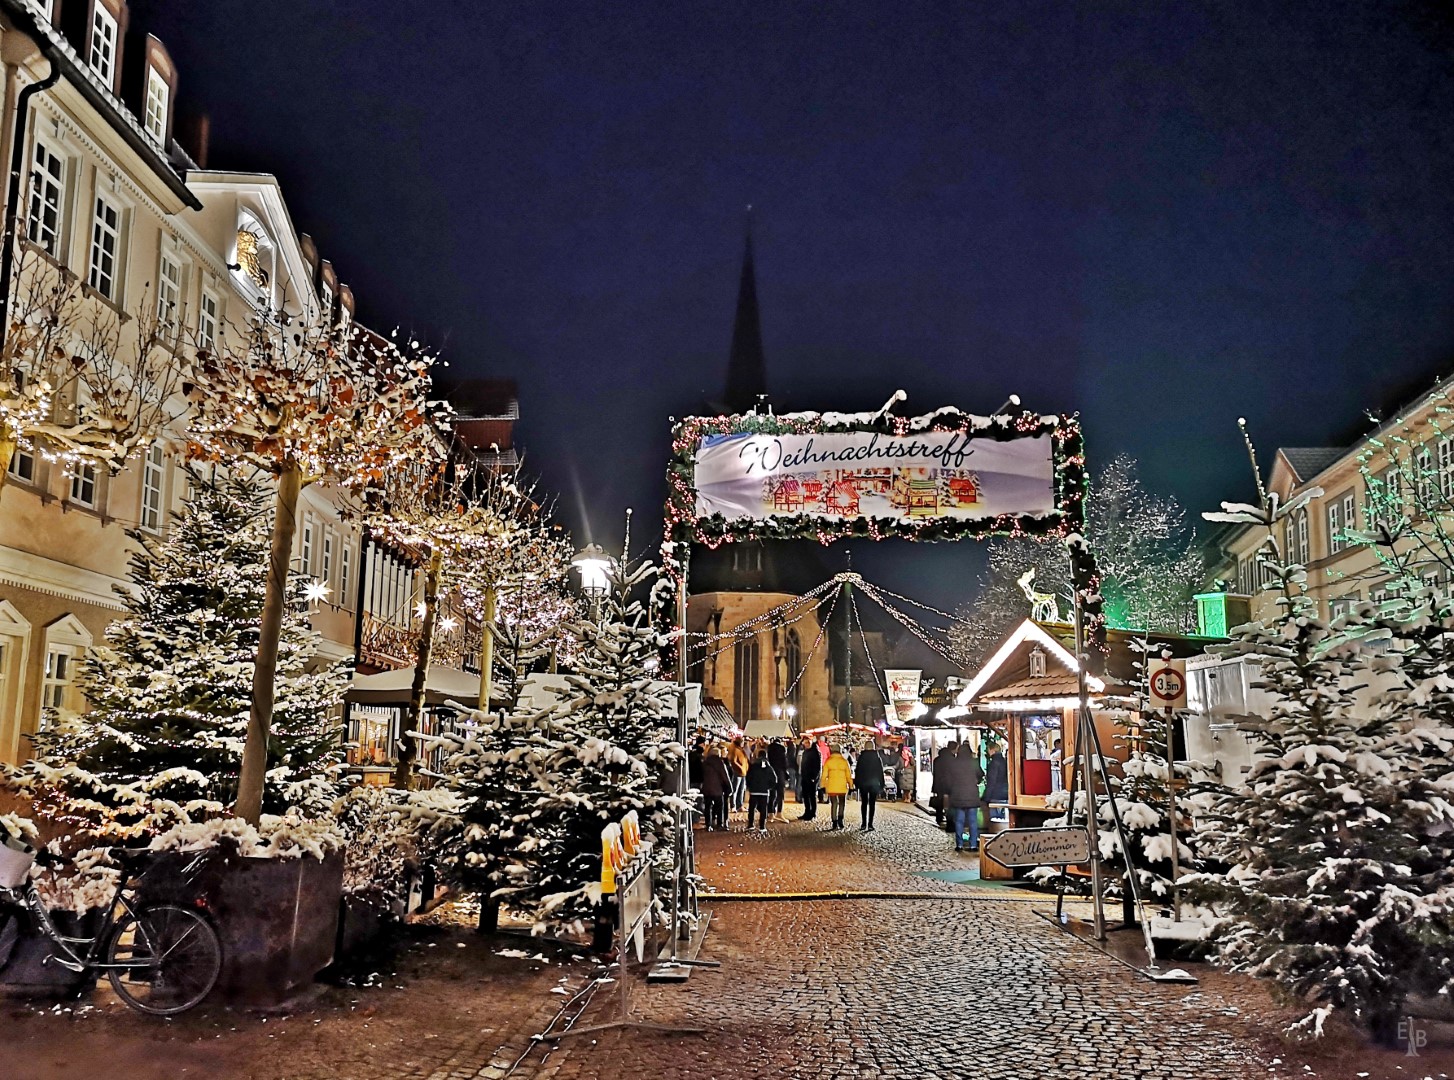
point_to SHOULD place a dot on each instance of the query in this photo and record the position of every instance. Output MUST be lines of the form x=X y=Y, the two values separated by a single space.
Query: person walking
x=940 y=789
x=738 y=760
x=762 y=782
x=868 y=778
x=836 y=778
x=695 y=757
x=777 y=757
x=904 y=774
x=810 y=772
x=716 y=786
x=964 y=799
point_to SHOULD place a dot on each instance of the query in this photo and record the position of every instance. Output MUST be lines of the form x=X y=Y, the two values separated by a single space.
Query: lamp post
x=594 y=566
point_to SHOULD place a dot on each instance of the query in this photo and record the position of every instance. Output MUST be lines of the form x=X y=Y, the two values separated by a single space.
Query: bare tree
x=79 y=380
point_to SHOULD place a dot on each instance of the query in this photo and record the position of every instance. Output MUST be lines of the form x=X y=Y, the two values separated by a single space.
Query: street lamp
x=788 y=711
x=594 y=566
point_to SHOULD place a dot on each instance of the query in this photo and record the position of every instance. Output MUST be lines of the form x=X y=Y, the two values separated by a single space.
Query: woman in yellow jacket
x=836 y=779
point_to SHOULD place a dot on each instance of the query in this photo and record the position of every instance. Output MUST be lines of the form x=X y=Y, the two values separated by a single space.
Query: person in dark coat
x=810 y=771
x=868 y=778
x=941 y=782
x=762 y=781
x=997 y=777
x=963 y=779
x=694 y=762
x=716 y=787
x=777 y=757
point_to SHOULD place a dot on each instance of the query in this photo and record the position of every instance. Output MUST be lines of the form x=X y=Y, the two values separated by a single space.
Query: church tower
x=735 y=584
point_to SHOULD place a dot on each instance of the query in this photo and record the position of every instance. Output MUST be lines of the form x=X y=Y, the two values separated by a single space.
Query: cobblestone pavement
x=963 y=980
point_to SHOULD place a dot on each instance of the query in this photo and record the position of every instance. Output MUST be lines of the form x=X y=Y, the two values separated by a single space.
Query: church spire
x=746 y=368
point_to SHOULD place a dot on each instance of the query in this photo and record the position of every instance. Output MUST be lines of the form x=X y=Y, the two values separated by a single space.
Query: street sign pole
x=1087 y=741
x=1166 y=687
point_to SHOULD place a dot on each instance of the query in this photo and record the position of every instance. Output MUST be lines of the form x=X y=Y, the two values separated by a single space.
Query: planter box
x=277 y=918
x=31 y=971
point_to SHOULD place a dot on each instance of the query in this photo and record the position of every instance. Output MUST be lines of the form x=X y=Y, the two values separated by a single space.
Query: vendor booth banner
x=869 y=474
x=903 y=691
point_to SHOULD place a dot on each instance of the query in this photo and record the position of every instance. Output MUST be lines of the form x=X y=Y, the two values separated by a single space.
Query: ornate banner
x=870 y=474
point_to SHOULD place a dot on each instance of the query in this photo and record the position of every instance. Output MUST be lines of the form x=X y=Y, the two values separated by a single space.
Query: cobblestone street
x=947 y=979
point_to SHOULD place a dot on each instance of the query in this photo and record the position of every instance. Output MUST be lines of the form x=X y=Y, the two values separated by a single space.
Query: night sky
x=1161 y=216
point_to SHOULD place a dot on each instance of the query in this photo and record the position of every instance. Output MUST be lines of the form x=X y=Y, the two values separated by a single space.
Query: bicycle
x=161 y=959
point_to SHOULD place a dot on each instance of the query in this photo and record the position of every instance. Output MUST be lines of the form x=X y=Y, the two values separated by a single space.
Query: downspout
x=8 y=239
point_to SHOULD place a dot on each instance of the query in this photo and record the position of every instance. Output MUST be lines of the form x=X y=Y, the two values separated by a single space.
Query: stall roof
x=768 y=729
x=392 y=688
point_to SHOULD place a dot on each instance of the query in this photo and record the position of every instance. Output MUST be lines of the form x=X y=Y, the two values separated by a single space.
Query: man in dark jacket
x=941 y=782
x=810 y=770
x=716 y=786
x=962 y=780
x=868 y=778
x=762 y=781
x=777 y=757
x=996 y=777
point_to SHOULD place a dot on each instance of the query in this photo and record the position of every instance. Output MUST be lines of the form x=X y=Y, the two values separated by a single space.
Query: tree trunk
x=414 y=719
x=260 y=721
x=7 y=454
x=487 y=648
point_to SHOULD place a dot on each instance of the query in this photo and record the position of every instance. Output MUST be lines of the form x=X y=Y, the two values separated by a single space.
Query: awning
x=828 y=729
x=391 y=688
x=768 y=729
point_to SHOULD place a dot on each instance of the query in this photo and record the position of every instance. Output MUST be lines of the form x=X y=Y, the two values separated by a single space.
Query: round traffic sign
x=1167 y=684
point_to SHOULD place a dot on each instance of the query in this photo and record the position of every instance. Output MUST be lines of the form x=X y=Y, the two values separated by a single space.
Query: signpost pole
x=1087 y=743
x=1171 y=811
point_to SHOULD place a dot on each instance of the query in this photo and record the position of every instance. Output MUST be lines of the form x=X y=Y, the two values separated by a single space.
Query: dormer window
x=103 y=45
x=325 y=301
x=157 y=92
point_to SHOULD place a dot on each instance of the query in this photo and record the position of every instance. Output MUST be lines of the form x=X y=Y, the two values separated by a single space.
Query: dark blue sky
x=1161 y=215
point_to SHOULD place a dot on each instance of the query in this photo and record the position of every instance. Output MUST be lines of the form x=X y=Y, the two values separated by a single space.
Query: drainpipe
x=8 y=239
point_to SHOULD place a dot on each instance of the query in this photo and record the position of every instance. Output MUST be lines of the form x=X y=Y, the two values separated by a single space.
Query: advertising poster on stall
x=870 y=474
x=903 y=691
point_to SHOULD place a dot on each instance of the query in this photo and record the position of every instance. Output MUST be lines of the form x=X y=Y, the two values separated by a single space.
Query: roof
x=746 y=366
x=1053 y=684
x=483 y=399
x=1307 y=461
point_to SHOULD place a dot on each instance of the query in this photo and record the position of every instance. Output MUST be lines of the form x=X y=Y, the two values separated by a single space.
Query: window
x=22 y=466
x=153 y=476
x=305 y=550
x=325 y=302
x=103 y=45
x=1341 y=606
x=157 y=91
x=83 y=485
x=746 y=671
x=1339 y=511
x=746 y=558
x=326 y=576
x=1446 y=468
x=1297 y=538
x=1424 y=476
x=1386 y=494
x=1431 y=578
x=793 y=659
x=169 y=289
x=207 y=321
x=59 y=670
x=345 y=567
x=105 y=247
x=47 y=197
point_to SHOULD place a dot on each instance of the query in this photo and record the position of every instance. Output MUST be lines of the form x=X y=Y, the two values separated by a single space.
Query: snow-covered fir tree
x=1331 y=884
x=1147 y=555
x=618 y=746
x=170 y=689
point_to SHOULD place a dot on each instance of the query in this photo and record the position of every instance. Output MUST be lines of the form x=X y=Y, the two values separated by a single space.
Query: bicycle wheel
x=163 y=960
